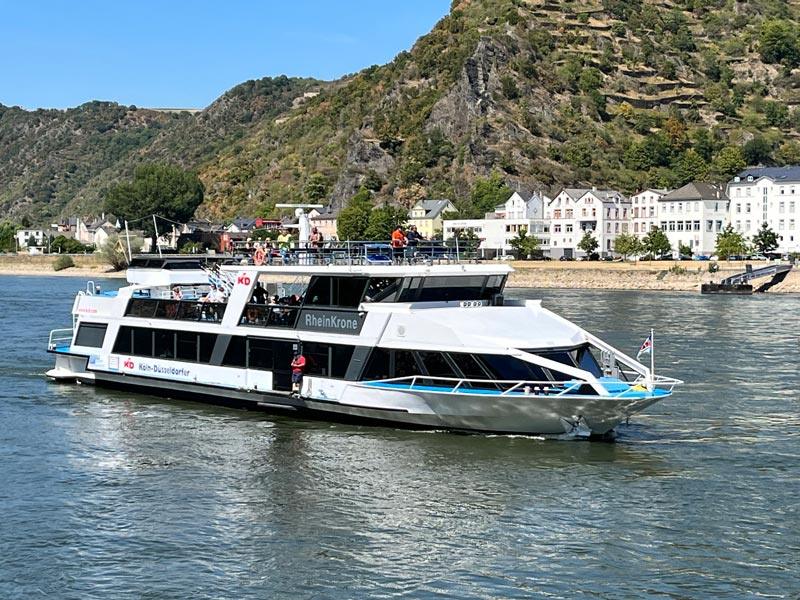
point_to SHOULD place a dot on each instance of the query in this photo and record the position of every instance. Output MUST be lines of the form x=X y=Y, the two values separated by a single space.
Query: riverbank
x=683 y=276
x=86 y=265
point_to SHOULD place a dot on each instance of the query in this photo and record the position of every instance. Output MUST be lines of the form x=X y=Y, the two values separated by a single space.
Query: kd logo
x=244 y=279
x=128 y=364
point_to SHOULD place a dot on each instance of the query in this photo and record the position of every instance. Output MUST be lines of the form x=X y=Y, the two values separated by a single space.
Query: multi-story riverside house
x=428 y=216
x=498 y=228
x=606 y=213
x=768 y=195
x=644 y=210
x=693 y=215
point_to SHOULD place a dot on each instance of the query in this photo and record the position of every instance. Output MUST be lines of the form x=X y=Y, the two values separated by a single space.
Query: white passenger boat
x=421 y=346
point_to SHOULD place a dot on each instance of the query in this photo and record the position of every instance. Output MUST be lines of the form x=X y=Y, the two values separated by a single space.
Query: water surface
x=116 y=495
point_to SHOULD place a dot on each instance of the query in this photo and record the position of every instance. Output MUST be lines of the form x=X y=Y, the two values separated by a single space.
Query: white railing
x=452 y=385
x=59 y=337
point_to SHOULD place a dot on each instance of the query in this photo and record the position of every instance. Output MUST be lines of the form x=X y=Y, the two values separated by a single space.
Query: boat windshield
x=580 y=356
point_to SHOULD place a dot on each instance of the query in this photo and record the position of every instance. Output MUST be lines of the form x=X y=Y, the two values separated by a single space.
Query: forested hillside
x=624 y=94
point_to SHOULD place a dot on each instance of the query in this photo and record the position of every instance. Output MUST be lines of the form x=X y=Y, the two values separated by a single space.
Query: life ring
x=258 y=256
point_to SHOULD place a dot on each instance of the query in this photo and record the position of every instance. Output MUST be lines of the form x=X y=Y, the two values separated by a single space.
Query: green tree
x=727 y=163
x=489 y=192
x=588 y=243
x=656 y=243
x=778 y=42
x=383 y=221
x=757 y=151
x=353 y=221
x=627 y=245
x=65 y=245
x=7 y=231
x=162 y=190
x=525 y=245
x=765 y=240
x=691 y=167
x=115 y=252
x=730 y=243
x=316 y=188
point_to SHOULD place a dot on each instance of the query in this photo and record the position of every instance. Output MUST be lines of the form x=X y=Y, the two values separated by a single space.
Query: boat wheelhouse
x=418 y=346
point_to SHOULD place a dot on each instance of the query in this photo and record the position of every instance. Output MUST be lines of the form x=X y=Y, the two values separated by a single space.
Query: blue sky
x=182 y=54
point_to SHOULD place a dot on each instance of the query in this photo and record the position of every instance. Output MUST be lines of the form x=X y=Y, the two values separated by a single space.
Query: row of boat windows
x=332 y=360
x=187 y=346
x=385 y=364
x=324 y=360
x=351 y=291
x=345 y=292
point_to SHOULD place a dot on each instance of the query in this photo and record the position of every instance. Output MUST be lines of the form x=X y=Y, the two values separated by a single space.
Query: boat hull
x=554 y=415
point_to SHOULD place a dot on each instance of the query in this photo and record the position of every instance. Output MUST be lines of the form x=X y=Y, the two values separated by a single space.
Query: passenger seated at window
x=176 y=293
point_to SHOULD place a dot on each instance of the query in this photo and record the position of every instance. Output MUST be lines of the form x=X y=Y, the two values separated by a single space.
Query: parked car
x=504 y=257
x=701 y=257
x=757 y=257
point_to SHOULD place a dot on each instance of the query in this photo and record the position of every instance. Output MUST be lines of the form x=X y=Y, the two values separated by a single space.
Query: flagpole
x=652 y=360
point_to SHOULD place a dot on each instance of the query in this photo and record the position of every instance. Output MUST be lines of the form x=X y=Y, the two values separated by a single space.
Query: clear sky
x=185 y=54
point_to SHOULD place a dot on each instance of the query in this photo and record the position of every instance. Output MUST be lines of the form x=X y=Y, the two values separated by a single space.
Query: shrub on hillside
x=63 y=262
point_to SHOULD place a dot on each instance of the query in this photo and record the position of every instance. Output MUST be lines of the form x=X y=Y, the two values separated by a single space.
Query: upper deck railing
x=359 y=252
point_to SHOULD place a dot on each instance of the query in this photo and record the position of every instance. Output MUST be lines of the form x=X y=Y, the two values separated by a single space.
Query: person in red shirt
x=298 y=365
x=399 y=240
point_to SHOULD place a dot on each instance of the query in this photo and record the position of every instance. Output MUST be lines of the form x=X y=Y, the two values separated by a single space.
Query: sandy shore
x=576 y=275
x=87 y=266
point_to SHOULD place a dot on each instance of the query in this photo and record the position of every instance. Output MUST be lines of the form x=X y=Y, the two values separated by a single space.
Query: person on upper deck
x=399 y=241
x=285 y=244
x=413 y=237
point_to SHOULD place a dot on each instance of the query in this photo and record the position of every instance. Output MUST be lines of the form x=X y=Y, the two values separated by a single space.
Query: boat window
x=405 y=365
x=207 y=341
x=317 y=358
x=560 y=356
x=165 y=345
x=348 y=291
x=319 y=292
x=377 y=365
x=124 y=342
x=469 y=366
x=341 y=356
x=441 y=288
x=91 y=335
x=142 y=342
x=236 y=353
x=383 y=289
x=436 y=364
x=410 y=289
x=510 y=368
x=587 y=361
x=327 y=360
x=260 y=354
x=186 y=342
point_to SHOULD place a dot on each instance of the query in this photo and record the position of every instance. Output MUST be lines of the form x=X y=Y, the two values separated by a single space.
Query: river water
x=116 y=495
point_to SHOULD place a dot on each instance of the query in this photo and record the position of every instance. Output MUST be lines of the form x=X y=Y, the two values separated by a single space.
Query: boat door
x=283 y=354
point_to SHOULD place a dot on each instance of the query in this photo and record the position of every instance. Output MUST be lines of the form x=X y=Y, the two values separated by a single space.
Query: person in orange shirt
x=399 y=241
